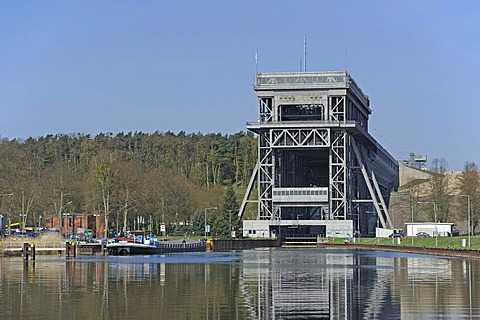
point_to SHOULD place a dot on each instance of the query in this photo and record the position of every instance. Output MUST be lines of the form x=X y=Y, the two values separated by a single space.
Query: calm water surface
x=252 y=284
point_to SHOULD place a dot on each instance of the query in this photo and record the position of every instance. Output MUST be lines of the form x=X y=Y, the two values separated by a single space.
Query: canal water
x=251 y=284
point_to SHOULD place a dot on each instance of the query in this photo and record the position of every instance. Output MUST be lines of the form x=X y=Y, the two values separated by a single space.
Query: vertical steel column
x=338 y=160
x=266 y=162
x=338 y=175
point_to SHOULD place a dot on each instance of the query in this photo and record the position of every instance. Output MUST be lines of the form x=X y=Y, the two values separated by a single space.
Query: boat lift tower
x=319 y=171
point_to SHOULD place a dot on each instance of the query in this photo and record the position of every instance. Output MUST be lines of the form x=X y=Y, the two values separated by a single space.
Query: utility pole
x=435 y=214
x=205 y=222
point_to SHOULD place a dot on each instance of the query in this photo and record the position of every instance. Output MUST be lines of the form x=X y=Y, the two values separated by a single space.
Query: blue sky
x=112 y=66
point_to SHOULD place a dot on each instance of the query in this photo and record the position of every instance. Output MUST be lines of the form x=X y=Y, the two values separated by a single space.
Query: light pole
x=468 y=213
x=230 y=213
x=411 y=211
x=60 y=220
x=435 y=214
x=205 y=225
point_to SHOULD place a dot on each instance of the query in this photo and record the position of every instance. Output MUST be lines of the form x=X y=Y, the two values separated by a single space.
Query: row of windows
x=300 y=192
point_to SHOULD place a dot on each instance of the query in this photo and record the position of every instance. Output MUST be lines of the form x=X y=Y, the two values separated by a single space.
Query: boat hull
x=129 y=248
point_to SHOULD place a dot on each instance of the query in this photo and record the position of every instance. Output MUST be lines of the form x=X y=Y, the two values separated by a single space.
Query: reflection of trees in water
x=98 y=290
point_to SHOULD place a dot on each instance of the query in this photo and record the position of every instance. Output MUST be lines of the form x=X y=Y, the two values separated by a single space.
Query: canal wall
x=241 y=244
x=420 y=250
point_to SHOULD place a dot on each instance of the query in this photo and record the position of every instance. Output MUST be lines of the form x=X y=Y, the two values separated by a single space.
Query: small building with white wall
x=443 y=229
x=383 y=232
x=256 y=229
x=277 y=228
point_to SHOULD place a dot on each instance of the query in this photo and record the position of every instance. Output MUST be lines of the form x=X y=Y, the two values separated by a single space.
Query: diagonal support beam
x=367 y=181
x=379 y=193
x=248 y=191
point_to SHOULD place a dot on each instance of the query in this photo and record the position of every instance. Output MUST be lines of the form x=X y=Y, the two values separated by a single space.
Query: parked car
x=397 y=234
x=422 y=235
x=455 y=233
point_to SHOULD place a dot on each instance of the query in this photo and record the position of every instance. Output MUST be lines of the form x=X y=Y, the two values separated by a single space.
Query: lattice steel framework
x=298 y=138
x=270 y=140
x=266 y=111
x=338 y=175
x=265 y=176
x=266 y=161
x=273 y=139
x=305 y=113
x=337 y=108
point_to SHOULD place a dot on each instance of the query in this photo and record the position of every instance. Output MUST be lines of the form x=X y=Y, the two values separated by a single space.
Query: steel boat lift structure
x=319 y=171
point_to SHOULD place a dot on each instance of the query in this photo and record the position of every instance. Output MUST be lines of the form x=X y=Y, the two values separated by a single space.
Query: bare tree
x=104 y=177
x=439 y=190
x=469 y=184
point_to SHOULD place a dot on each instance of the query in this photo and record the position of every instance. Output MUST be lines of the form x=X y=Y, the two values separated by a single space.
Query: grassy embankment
x=443 y=242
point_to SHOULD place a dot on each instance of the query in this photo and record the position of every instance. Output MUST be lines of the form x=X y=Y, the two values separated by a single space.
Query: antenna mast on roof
x=345 y=58
x=305 y=53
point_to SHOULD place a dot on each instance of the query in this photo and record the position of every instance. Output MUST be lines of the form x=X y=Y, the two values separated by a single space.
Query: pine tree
x=230 y=209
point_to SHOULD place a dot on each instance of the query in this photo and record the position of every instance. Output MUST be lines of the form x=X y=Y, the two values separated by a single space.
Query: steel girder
x=339 y=202
x=265 y=175
x=338 y=175
x=269 y=141
x=372 y=185
x=266 y=110
x=337 y=108
x=297 y=138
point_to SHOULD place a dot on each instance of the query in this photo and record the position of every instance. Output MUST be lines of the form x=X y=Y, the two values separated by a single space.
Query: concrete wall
x=241 y=244
x=408 y=174
x=339 y=228
x=333 y=228
x=383 y=233
x=256 y=229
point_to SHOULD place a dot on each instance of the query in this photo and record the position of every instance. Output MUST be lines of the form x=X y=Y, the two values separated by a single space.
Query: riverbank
x=47 y=243
x=451 y=252
x=443 y=246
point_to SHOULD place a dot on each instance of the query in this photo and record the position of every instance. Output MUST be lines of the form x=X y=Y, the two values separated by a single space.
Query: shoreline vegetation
x=130 y=181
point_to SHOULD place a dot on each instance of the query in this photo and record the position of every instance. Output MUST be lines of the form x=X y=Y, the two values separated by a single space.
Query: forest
x=140 y=180
x=133 y=180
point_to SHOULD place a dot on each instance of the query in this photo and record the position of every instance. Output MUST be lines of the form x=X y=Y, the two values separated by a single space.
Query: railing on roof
x=311 y=194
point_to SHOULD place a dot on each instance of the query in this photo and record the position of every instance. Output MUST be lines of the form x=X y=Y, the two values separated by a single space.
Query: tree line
x=449 y=198
x=132 y=179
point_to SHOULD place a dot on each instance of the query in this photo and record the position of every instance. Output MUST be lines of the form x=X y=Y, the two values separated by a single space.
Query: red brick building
x=72 y=222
